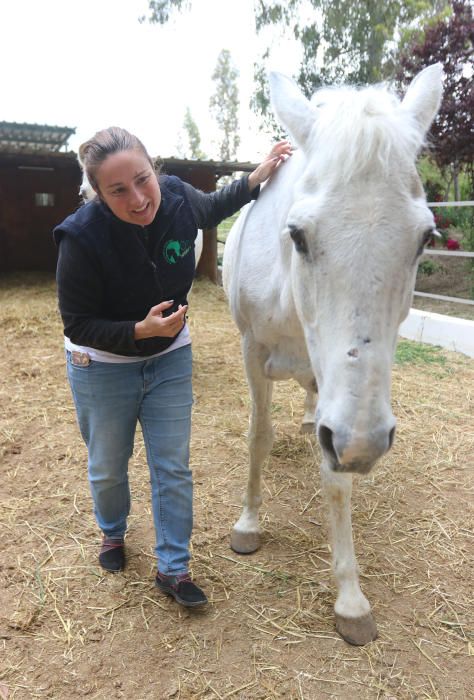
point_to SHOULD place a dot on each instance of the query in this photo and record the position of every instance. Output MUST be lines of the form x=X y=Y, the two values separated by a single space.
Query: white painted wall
x=436 y=329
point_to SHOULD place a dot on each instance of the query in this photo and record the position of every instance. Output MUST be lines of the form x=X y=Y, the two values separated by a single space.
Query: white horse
x=319 y=273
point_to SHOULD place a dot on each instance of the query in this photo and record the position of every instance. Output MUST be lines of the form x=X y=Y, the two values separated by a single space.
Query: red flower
x=452 y=244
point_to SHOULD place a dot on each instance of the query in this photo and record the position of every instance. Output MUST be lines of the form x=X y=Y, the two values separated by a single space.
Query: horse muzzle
x=354 y=453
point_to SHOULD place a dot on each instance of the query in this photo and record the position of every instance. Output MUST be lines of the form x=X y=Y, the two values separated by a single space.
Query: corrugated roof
x=33 y=138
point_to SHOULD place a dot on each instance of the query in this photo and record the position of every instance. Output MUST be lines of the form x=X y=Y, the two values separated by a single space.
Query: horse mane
x=362 y=131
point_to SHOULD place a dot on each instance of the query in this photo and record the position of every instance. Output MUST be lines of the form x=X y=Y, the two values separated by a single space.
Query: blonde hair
x=104 y=143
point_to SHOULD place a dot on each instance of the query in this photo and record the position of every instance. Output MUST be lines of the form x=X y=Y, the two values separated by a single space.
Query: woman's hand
x=279 y=153
x=157 y=325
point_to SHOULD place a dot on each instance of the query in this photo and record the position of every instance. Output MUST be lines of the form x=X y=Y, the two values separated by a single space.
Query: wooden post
x=205 y=179
x=207 y=266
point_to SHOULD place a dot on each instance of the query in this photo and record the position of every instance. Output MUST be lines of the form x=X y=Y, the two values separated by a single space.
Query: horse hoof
x=244 y=542
x=308 y=429
x=357 y=630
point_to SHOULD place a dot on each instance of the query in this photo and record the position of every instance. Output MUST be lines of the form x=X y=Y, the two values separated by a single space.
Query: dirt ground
x=68 y=630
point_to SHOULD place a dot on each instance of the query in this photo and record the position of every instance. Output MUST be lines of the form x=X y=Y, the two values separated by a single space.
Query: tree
x=224 y=105
x=354 y=41
x=449 y=41
x=193 y=147
x=351 y=41
x=161 y=10
x=356 y=38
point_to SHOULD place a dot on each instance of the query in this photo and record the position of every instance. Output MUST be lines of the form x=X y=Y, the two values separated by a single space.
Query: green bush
x=225 y=226
x=461 y=218
x=466 y=225
x=428 y=267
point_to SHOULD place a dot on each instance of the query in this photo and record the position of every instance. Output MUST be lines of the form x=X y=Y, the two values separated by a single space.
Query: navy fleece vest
x=130 y=278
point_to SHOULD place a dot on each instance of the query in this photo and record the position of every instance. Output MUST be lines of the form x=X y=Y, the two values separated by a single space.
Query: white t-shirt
x=184 y=338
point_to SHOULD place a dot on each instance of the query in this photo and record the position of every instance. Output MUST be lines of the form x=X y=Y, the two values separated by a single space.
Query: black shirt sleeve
x=210 y=208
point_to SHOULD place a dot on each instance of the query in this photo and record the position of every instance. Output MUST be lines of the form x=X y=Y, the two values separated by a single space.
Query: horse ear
x=291 y=107
x=423 y=96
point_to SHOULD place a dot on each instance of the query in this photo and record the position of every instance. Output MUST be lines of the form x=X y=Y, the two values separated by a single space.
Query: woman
x=125 y=266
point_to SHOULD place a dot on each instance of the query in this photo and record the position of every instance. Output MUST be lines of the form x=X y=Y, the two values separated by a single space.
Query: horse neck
x=280 y=192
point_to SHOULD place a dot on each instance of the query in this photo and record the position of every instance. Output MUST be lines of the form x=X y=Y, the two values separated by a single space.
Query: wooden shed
x=39 y=187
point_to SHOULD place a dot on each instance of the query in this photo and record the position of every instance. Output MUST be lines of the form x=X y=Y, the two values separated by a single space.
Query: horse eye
x=298 y=238
x=427 y=236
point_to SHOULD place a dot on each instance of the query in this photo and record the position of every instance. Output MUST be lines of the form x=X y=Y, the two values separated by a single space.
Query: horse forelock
x=361 y=132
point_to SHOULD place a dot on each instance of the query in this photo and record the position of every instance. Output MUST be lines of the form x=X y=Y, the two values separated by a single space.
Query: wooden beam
x=207 y=266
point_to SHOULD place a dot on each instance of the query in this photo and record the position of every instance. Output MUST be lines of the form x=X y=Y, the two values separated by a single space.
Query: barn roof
x=216 y=166
x=33 y=138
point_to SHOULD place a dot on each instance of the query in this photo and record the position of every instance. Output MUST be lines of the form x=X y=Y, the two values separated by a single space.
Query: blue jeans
x=109 y=399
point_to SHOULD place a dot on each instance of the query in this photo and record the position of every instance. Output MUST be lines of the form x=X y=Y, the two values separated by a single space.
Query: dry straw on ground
x=67 y=630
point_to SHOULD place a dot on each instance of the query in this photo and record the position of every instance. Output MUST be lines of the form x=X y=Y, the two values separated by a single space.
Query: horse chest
x=288 y=360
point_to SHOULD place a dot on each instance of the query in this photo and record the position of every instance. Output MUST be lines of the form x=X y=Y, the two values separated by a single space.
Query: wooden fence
x=447 y=253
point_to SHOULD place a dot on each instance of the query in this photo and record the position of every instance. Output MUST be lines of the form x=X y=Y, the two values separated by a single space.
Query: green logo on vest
x=174 y=250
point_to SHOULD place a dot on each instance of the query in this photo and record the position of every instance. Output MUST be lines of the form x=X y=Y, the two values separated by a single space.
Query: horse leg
x=354 y=620
x=308 y=424
x=245 y=536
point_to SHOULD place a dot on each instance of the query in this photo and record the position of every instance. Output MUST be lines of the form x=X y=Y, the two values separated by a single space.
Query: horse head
x=351 y=242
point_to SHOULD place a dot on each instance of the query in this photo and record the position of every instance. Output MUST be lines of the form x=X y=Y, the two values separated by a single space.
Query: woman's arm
x=279 y=153
x=212 y=207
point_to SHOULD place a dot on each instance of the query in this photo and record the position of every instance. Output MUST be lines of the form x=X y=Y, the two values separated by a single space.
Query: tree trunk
x=457 y=195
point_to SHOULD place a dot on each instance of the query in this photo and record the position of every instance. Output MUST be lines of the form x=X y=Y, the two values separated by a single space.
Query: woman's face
x=128 y=185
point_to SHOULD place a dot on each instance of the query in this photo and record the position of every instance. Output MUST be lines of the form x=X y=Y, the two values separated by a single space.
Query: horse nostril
x=326 y=441
x=391 y=437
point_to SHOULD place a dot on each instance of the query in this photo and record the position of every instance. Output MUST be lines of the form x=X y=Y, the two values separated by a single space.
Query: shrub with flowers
x=452 y=244
x=442 y=221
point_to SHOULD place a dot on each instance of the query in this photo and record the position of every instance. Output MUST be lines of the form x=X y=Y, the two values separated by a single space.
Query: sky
x=90 y=64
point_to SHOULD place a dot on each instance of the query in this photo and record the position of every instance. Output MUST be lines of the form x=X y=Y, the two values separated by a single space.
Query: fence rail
x=467 y=203
x=441 y=297
x=448 y=253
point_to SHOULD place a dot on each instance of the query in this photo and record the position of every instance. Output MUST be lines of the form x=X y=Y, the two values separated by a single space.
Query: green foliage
x=225 y=226
x=438 y=182
x=161 y=10
x=465 y=187
x=222 y=233
x=409 y=352
x=434 y=180
x=355 y=39
x=224 y=105
x=465 y=223
x=449 y=41
x=461 y=218
x=192 y=149
x=428 y=267
x=260 y=100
